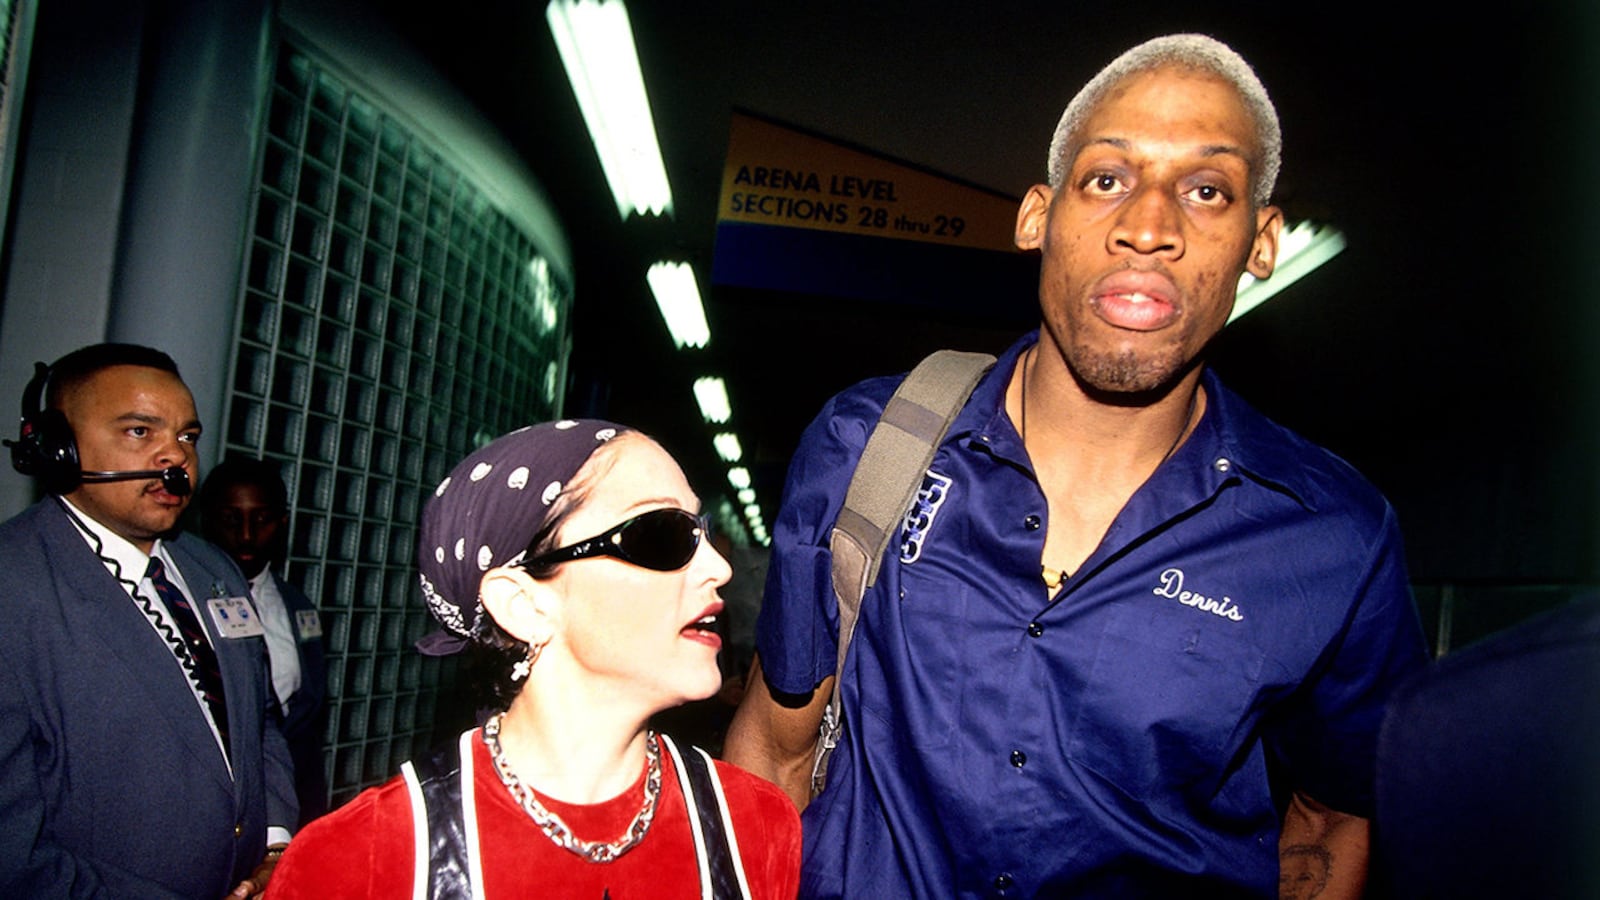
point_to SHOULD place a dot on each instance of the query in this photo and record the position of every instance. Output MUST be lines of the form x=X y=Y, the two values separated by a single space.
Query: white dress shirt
x=281 y=647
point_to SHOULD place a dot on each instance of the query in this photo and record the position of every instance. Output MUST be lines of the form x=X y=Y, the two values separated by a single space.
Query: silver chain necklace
x=551 y=824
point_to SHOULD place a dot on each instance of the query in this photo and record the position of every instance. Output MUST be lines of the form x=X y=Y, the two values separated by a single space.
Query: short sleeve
x=363 y=849
x=767 y=827
x=1327 y=738
x=797 y=630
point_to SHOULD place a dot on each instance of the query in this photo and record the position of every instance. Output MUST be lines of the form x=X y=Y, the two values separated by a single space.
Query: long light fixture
x=727 y=444
x=739 y=477
x=758 y=528
x=712 y=395
x=1302 y=248
x=597 y=49
x=678 y=298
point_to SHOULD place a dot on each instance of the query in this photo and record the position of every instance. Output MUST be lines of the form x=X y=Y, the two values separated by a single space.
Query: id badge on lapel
x=234 y=617
x=307 y=625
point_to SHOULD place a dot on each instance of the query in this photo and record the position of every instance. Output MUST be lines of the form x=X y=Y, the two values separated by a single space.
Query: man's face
x=128 y=418
x=245 y=523
x=1144 y=242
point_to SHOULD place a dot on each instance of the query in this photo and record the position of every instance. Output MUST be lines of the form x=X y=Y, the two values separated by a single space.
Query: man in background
x=245 y=510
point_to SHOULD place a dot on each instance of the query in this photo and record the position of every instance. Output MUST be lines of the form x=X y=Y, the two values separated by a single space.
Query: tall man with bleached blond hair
x=1139 y=643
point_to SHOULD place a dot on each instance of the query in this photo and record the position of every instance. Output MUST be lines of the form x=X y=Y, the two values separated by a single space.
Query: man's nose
x=1148 y=224
x=174 y=452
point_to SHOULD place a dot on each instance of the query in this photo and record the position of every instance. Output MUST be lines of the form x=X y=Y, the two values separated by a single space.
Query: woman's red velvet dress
x=366 y=848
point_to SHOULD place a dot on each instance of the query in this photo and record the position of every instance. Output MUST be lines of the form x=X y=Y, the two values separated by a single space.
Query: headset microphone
x=173 y=478
x=46 y=449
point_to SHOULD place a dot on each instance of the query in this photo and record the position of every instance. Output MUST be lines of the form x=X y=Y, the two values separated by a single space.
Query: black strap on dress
x=449 y=878
x=718 y=859
x=439 y=777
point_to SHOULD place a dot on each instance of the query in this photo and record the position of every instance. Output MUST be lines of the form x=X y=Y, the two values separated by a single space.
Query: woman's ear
x=522 y=606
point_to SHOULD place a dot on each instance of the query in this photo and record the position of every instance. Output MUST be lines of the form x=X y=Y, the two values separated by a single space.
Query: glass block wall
x=390 y=321
x=10 y=22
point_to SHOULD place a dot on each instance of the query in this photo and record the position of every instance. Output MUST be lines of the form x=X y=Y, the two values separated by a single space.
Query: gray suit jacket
x=110 y=779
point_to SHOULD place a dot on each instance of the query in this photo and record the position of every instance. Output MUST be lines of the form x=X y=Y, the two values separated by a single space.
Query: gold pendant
x=1052 y=577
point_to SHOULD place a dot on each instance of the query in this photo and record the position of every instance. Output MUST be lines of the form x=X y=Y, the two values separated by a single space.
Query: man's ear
x=522 y=606
x=1264 y=252
x=1032 y=216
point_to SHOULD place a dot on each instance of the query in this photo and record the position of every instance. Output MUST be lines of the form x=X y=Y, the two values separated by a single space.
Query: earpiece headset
x=46 y=449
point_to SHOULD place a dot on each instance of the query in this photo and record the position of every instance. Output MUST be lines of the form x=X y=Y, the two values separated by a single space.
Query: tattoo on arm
x=1303 y=871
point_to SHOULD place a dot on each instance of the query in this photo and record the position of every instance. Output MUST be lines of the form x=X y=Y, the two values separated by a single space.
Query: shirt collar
x=985 y=413
x=1231 y=440
x=113 y=547
x=1254 y=446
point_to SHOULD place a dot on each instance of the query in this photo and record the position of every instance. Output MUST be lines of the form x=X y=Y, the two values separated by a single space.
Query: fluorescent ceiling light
x=678 y=298
x=753 y=513
x=739 y=477
x=596 y=45
x=727 y=444
x=712 y=395
x=747 y=496
x=1301 y=249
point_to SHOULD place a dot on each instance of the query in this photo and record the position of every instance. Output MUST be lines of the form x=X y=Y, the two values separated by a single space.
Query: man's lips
x=1136 y=301
x=161 y=495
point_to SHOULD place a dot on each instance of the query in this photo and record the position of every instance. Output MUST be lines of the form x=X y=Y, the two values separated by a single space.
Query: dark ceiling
x=1446 y=351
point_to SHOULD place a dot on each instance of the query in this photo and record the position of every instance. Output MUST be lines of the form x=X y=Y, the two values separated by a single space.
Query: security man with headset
x=138 y=757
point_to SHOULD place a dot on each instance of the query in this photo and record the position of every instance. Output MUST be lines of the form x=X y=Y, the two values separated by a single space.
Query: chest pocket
x=917 y=654
x=1171 y=699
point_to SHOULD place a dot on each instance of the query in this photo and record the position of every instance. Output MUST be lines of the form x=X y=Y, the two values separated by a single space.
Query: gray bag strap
x=886 y=479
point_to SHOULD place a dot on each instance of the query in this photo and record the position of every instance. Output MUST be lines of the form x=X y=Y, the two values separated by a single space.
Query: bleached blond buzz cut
x=1189 y=51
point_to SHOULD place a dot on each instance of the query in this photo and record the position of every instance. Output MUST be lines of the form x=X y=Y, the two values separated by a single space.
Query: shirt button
x=1003 y=882
x=1031 y=523
x=238 y=830
x=1018 y=758
x=1035 y=629
x=1222 y=464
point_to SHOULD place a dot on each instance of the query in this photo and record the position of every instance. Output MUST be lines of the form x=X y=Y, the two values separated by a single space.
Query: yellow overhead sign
x=784 y=177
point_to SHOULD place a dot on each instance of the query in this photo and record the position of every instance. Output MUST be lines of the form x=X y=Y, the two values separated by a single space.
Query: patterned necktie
x=206 y=670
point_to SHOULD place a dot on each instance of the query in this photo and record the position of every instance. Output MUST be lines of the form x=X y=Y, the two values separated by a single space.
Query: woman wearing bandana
x=573 y=552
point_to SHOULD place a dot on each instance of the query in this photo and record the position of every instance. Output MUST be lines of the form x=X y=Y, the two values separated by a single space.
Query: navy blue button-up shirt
x=1241 y=620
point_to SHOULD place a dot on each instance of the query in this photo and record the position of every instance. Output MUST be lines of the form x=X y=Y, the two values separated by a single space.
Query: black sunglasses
x=662 y=539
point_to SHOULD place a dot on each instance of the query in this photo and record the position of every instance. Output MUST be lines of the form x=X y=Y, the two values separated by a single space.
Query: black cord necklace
x=1054 y=577
x=173 y=639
